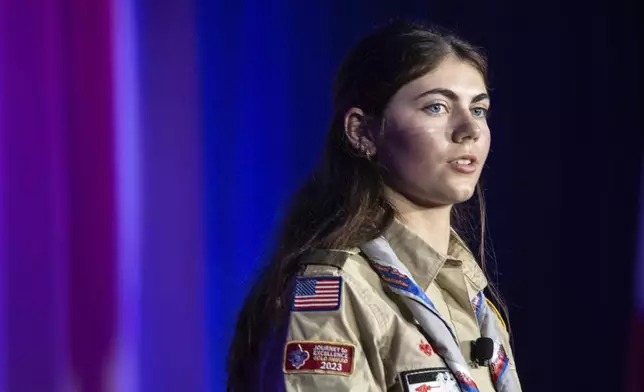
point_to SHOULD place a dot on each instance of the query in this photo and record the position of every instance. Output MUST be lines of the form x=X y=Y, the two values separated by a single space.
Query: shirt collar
x=424 y=262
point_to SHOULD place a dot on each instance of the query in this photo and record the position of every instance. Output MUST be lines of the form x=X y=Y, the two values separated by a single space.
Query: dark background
x=563 y=177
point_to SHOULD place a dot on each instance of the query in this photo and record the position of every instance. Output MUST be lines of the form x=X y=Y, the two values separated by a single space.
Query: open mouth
x=464 y=164
x=465 y=161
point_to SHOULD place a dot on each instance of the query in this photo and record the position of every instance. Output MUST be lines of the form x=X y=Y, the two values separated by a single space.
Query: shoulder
x=359 y=285
x=333 y=314
x=349 y=264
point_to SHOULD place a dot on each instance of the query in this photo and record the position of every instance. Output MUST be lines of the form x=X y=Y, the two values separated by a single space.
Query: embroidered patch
x=499 y=364
x=318 y=357
x=316 y=294
x=393 y=276
x=426 y=348
x=429 y=380
x=298 y=357
x=400 y=281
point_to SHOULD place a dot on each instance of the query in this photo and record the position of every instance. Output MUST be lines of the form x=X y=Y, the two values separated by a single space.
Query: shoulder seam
x=333 y=257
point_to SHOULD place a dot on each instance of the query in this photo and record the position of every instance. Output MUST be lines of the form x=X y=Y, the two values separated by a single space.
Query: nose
x=466 y=130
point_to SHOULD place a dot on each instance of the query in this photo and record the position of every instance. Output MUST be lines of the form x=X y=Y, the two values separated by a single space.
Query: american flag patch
x=315 y=294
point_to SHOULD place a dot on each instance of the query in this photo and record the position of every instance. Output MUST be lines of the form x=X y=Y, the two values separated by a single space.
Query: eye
x=480 y=112
x=435 y=108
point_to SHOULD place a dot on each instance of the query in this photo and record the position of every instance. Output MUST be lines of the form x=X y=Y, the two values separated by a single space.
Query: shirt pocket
x=411 y=351
x=437 y=379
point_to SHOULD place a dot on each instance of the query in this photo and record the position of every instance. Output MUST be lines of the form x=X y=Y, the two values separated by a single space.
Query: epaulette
x=334 y=257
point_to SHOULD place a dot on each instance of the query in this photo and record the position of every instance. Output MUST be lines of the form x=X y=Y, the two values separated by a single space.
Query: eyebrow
x=447 y=93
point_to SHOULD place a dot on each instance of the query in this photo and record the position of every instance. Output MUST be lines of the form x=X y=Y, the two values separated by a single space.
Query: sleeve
x=331 y=344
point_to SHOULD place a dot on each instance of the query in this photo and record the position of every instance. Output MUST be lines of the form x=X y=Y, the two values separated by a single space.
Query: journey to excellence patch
x=318 y=357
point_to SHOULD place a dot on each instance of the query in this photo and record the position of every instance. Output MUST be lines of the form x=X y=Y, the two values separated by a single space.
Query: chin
x=456 y=195
x=442 y=197
x=446 y=194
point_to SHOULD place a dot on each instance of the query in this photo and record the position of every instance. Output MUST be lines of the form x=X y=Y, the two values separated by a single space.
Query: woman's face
x=436 y=138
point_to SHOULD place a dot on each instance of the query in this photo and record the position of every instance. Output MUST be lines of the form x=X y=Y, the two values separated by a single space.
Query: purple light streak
x=639 y=261
x=3 y=346
x=127 y=150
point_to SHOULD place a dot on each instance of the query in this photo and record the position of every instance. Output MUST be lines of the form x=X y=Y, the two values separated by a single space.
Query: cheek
x=484 y=144
x=415 y=134
x=412 y=148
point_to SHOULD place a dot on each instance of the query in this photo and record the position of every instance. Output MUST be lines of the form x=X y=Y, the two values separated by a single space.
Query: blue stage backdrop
x=267 y=72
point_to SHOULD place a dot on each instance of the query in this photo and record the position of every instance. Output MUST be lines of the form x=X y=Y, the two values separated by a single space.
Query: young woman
x=371 y=288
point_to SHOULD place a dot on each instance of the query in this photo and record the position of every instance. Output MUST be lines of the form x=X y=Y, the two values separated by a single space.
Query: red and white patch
x=426 y=348
x=429 y=380
x=318 y=357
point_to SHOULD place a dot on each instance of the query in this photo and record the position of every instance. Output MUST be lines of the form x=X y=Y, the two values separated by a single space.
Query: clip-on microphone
x=482 y=351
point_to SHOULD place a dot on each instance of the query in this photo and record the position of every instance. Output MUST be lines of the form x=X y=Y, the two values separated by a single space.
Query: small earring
x=365 y=150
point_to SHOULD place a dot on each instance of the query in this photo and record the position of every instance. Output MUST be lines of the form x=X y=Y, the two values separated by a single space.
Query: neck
x=431 y=224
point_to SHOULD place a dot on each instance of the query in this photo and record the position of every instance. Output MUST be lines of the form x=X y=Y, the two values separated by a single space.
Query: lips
x=464 y=159
x=465 y=164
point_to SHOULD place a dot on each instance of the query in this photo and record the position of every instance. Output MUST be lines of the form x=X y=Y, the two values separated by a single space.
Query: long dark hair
x=343 y=205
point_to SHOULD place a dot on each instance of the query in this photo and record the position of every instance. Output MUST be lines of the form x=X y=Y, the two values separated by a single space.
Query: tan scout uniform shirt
x=371 y=339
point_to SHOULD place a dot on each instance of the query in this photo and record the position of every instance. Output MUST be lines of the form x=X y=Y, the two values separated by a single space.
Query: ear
x=358 y=132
